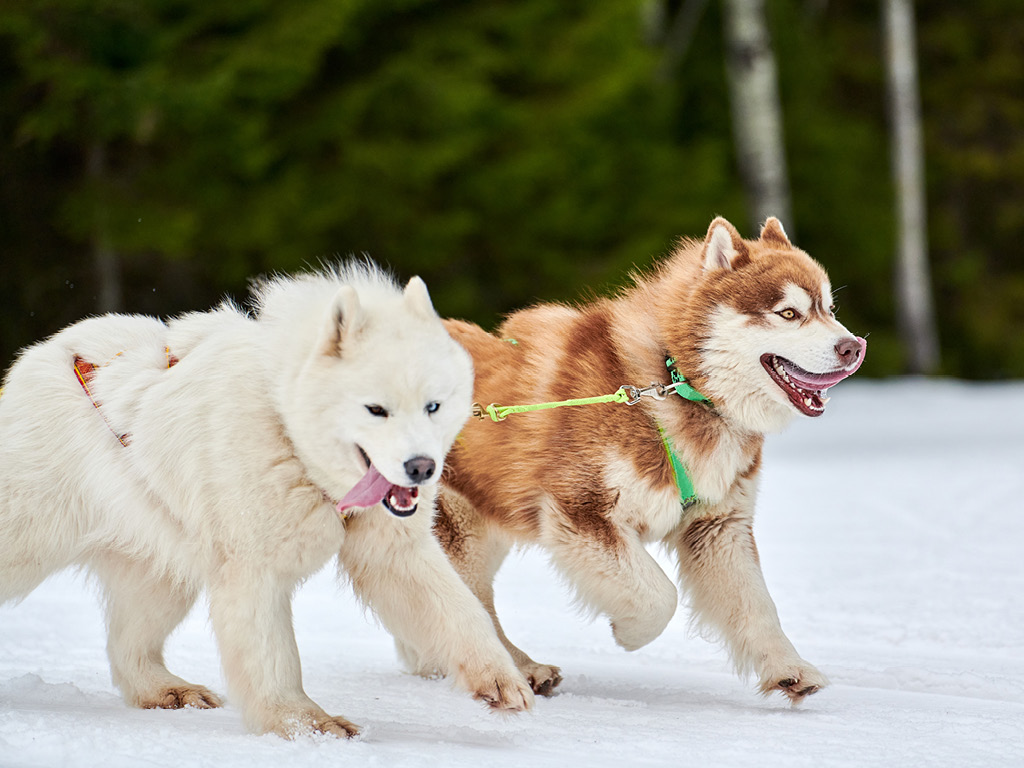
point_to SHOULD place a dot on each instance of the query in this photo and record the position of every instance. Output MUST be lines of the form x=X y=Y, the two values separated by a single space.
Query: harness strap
x=687 y=491
x=85 y=371
x=502 y=412
x=629 y=395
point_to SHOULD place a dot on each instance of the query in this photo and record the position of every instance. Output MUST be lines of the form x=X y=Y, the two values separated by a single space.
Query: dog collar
x=683 y=388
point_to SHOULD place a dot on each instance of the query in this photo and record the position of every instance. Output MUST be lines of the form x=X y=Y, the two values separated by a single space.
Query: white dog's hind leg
x=27 y=556
x=40 y=530
x=142 y=610
x=398 y=568
x=250 y=608
x=719 y=566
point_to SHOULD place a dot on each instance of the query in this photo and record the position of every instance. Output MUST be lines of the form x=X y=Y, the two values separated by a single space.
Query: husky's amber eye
x=788 y=314
x=433 y=406
x=376 y=410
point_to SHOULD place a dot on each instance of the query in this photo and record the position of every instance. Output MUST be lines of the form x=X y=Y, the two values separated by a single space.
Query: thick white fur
x=235 y=455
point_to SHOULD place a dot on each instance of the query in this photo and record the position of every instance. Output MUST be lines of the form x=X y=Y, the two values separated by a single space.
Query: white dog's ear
x=417 y=297
x=343 y=320
x=723 y=247
x=772 y=233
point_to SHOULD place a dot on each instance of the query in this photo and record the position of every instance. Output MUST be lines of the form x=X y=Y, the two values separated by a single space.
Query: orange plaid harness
x=84 y=372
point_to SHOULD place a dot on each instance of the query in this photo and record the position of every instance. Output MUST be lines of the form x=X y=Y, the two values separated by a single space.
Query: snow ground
x=890 y=532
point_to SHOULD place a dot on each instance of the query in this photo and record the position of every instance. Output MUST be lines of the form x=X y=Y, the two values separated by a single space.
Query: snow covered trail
x=890 y=533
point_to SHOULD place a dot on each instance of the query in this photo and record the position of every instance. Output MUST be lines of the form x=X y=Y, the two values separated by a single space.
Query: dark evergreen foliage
x=507 y=151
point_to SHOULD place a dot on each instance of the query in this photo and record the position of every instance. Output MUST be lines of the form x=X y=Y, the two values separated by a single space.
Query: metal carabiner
x=632 y=394
x=657 y=391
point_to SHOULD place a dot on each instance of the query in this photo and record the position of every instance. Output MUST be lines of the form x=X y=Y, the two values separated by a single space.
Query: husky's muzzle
x=806 y=390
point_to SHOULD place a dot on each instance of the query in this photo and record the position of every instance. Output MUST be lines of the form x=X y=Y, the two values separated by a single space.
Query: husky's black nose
x=420 y=469
x=849 y=350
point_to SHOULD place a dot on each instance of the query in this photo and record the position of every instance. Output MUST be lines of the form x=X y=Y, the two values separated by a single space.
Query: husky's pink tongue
x=821 y=381
x=368 y=492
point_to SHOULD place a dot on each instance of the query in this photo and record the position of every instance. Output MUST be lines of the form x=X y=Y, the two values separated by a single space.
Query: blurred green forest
x=508 y=151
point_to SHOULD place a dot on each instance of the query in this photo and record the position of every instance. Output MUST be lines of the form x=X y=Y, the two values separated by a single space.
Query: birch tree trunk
x=756 y=112
x=108 y=269
x=916 y=314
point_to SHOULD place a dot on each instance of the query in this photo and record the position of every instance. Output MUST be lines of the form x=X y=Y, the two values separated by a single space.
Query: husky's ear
x=772 y=233
x=723 y=247
x=344 y=319
x=418 y=298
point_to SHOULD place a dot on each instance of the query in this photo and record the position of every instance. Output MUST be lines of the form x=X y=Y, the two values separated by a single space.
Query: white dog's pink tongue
x=368 y=492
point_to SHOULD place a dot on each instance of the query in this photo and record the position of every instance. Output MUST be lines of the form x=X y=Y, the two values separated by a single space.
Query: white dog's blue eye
x=433 y=406
x=376 y=410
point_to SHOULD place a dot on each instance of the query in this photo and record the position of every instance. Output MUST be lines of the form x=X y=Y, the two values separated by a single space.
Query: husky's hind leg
x=720 y=568
x=477 y=553
x=142 y=610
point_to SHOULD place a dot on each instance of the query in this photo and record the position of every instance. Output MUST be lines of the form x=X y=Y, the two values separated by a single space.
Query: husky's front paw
x=650 y=611
x=504 y=693
x=633 y=633
x=797 y=681
x=543 y=678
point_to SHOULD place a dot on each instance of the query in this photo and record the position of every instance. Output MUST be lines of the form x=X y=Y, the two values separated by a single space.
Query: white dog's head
x=768 y=340
x=380 y=394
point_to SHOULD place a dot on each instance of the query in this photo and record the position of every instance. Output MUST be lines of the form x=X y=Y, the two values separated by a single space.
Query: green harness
x=629 y=395
x=683 y=388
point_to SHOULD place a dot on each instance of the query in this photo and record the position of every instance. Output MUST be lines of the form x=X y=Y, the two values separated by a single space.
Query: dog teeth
x=809 y=402
x=781 y=371
x=807 y=394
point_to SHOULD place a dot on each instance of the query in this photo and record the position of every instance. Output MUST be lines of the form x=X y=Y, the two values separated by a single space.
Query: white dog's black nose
x=420 y=469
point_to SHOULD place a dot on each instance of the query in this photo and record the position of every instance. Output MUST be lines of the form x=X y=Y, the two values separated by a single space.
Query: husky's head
x=767 y=345
x=378 y=399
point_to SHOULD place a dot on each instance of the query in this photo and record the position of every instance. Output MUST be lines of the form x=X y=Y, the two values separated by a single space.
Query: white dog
x=238 y=454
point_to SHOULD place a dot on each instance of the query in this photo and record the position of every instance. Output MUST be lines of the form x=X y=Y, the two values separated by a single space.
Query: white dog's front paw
x=796 y=680
x=310 y=722
x=336 y=726
x=500 y=691
x=413 y=663
x=178 y=697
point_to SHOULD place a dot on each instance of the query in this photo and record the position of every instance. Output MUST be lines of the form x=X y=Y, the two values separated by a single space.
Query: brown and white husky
x=749 y=325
